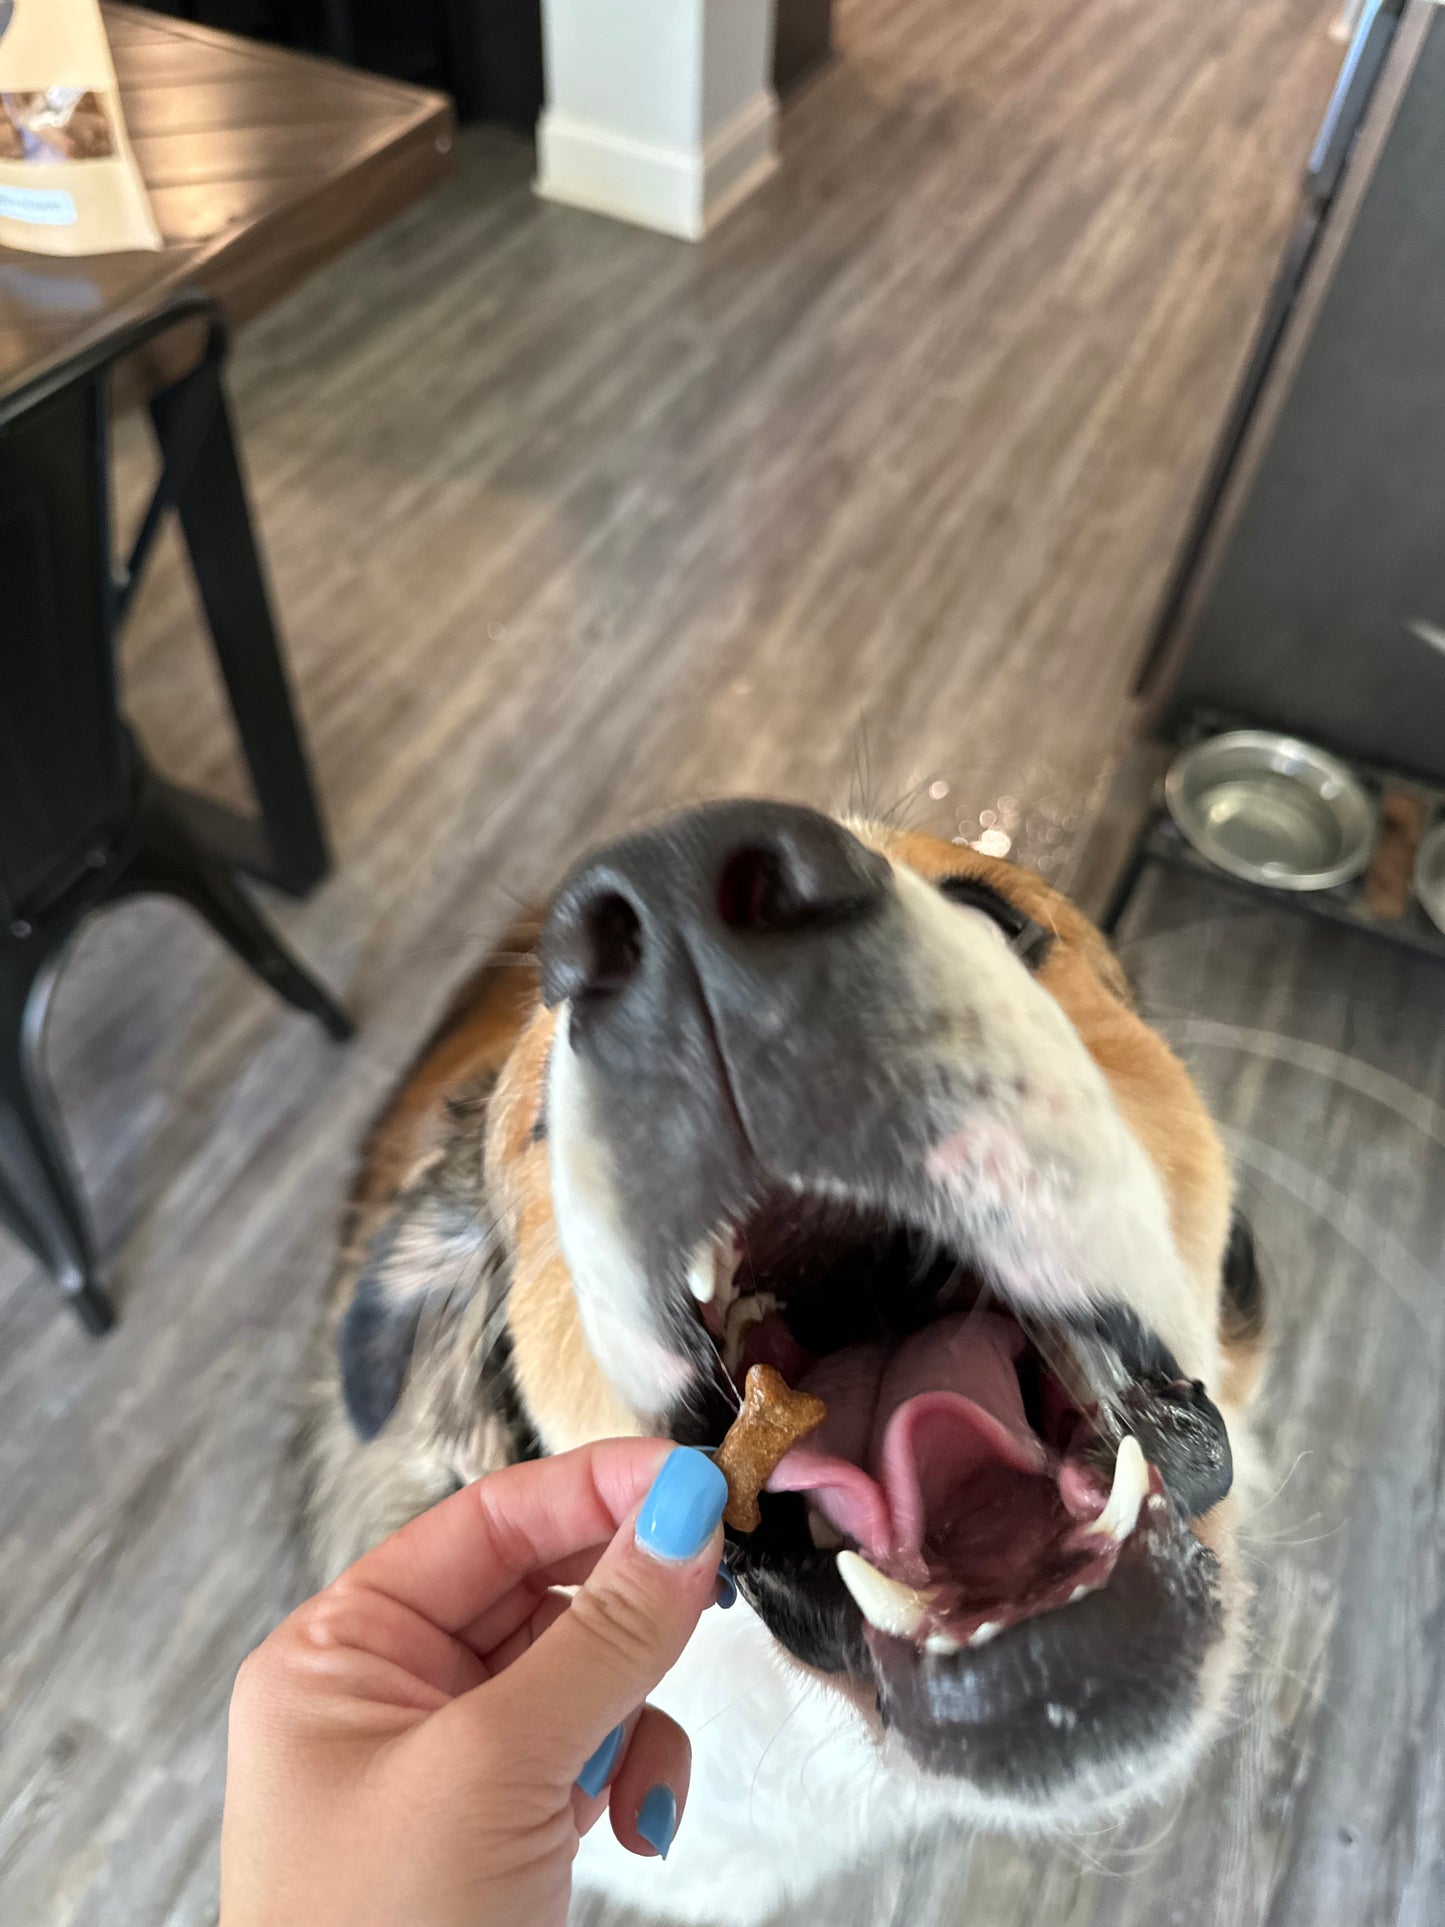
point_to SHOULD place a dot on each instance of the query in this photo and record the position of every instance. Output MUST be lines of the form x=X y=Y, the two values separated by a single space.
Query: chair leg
x=168 y=859
x=237 y=922
x=340 y=30
x=39 y=1199
x=216 y=521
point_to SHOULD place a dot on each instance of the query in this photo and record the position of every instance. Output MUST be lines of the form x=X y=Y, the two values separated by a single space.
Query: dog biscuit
x=773 y=1419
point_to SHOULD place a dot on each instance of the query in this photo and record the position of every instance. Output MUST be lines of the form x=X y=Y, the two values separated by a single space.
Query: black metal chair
x=84 y=820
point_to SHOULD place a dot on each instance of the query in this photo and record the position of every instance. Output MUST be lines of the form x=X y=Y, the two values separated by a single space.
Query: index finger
x=453 y=1562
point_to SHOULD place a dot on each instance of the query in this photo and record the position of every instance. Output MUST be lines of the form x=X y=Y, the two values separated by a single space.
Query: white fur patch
x=613 y=1298
x=1051 y=1189
x=789 y=1787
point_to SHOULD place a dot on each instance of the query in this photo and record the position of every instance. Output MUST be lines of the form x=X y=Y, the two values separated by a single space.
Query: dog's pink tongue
x=907 y=1426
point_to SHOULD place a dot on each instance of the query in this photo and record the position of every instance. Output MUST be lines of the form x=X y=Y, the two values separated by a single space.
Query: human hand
x=405 y=1749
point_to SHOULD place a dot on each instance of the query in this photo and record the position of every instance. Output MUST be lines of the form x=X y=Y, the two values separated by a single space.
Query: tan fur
x=474 y=1040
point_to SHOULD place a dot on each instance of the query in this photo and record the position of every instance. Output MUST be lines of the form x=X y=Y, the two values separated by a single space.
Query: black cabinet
x=1310 y=596
x=487 y=54
x=804 y=39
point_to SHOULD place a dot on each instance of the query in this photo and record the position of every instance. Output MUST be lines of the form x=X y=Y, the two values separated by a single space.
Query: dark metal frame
x=160 y=838
x=1159 y=840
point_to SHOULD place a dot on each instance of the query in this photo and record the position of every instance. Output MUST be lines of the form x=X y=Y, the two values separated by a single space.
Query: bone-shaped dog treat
x=773 y=1419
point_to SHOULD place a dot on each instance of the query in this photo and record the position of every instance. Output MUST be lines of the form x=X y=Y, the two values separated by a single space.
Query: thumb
x=624 y=1628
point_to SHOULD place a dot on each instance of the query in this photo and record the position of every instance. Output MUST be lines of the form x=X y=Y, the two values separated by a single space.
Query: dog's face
x=876 y=1109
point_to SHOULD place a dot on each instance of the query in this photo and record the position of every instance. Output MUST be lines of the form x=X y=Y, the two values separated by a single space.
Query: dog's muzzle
x=818 y=1114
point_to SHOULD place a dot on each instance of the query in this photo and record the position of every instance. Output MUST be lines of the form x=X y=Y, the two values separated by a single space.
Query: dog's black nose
x=718 y=890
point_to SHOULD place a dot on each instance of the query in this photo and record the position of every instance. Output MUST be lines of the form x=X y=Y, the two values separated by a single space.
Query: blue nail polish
x=598 y=1770
x=729 y=1585
x=657 y=1818
x=681 y=1512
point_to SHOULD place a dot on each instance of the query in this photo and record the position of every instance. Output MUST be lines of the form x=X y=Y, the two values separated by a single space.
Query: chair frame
x=165 y=839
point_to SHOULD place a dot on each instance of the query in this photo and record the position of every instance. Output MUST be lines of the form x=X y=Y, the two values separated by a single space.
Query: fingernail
x=657 y=1818
x=727 y=1586
x=682 y=1509
x=598 y=1770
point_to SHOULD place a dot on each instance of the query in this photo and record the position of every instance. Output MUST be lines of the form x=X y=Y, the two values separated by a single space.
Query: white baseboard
x=684 y=191
x=740 y=156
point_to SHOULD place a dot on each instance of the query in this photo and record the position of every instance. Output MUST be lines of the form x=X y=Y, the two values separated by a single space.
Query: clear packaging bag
x=69 y=183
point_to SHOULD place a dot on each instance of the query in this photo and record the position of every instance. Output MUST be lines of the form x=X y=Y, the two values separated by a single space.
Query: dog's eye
x=1028 y=940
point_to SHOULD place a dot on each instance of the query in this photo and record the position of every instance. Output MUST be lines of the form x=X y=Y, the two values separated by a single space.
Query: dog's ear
x=1243 y=1285
x=423 y=1266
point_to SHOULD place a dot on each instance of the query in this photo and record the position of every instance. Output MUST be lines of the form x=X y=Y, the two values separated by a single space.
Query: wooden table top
x=261 y=164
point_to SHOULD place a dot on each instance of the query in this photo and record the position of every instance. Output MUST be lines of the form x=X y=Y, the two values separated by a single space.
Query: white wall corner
x=662 y=118
x=739 y=156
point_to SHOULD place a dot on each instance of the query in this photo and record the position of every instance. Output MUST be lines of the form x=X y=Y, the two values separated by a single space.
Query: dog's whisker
x=726 y=1379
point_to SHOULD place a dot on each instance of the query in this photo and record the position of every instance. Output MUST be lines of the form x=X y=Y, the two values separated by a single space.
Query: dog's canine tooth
x=885 y=1603
x=981 y=1635
x=740 y=1315
x=944 y=1644
x=1126 y=1495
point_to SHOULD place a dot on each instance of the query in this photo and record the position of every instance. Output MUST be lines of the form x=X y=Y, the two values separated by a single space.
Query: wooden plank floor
x=567 y=520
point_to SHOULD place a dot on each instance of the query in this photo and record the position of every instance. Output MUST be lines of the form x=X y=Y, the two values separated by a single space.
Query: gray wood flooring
x=566 y=520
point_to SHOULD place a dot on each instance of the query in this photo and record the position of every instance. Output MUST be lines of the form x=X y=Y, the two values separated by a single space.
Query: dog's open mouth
x=972 y=1472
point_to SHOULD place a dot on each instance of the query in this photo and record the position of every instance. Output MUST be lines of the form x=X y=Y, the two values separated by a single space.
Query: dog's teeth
x=710 y=1275
x=823 y=1533
x=738 y=1319
x=981 y=1635
x=702 y=1275
x=1127 y=1494
x=944 y=1644
x=1081 y=1592
x=727 y=1256
x=885 y=1603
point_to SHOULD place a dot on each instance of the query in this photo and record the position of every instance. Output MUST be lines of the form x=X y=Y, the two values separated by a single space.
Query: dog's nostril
x=612 y=944
x=592 y=944
x=752 y=893
x=799 y=881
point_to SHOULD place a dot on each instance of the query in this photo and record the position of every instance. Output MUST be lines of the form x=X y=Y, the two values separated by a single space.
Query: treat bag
x=68 y=179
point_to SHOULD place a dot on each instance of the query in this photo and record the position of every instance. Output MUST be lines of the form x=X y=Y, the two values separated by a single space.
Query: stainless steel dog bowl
x=1272 y=810
x=1429 y=878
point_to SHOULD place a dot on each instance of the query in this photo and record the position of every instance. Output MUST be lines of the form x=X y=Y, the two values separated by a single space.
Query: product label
x=40 y=206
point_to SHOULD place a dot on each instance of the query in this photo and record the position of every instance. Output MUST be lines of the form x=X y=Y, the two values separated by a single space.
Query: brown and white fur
x=514 y=1280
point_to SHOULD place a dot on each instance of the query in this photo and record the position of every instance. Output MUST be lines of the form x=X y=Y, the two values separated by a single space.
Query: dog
x=877 y=1109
